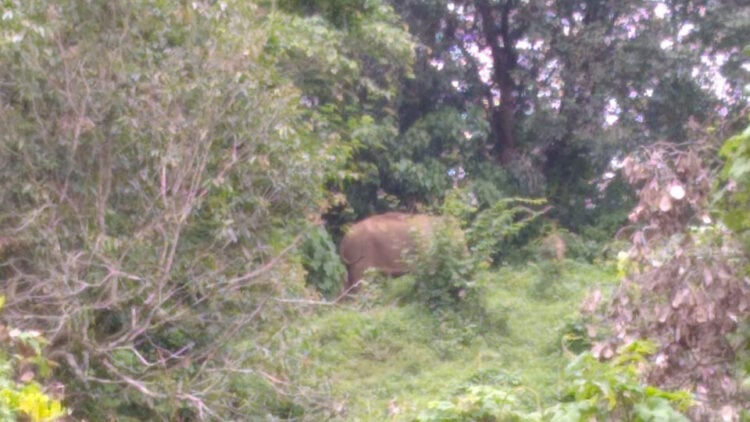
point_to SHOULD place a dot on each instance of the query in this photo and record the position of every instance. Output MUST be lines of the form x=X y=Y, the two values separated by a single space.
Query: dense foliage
x=732 y=197
x=177 y=176
x=159 y=173
x=22 y=368
x=596 y=391
x=554 y=90
x=687 y=286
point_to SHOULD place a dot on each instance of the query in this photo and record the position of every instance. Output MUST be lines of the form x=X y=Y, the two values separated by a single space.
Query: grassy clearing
x=376 y=353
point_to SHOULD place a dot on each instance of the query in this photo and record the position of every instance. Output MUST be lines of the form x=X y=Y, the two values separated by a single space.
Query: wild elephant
x=380 y=242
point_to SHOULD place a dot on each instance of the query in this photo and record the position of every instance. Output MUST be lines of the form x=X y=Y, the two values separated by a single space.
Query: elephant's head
x=381 y=241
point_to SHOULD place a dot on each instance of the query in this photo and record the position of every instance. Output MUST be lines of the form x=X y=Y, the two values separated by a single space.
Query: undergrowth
x=381 y=357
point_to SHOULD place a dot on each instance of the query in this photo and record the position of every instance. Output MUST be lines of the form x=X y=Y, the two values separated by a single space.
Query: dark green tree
x=159 y=168
x=348 y=59
x=563 y=87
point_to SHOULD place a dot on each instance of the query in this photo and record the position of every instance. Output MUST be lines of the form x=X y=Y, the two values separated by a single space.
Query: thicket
x=686 y=286
x=158 y=174
x=24 y=371
x=594 y=390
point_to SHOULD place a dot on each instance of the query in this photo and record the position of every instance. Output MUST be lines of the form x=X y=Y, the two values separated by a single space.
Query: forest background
x=176 y=176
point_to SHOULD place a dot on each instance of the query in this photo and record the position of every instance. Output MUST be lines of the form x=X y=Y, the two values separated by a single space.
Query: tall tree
x=565 y=86
x=348 y=59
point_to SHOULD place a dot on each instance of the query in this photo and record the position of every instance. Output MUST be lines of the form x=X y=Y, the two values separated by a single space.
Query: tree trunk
x=504 y=60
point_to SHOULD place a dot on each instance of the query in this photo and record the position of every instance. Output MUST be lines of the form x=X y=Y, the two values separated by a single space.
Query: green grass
x=374 y=351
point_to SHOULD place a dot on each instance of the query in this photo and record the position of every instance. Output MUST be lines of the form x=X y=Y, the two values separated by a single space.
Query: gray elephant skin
x=380 y=242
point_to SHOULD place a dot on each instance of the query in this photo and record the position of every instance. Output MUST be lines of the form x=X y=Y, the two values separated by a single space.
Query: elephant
x=380 y=241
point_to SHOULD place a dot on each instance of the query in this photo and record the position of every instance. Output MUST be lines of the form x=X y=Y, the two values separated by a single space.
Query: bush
x=320 y=257
x=158 y=175
x=595 y=390
x=685 y=285
x=441 y=267
x=612 y=390
x=22 y=365
x=734 y=192
x=494 y=231
x=477 y=403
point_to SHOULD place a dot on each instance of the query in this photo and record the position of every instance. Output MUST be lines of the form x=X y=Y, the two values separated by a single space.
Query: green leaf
x=739 y=169
x=657 y=409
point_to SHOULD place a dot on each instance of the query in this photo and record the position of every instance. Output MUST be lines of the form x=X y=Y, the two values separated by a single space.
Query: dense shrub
x=614 y=391
x=594 y=390
x=158 y=176
x=685 y=284
x=734 y=191
x=441 y=266
x=22 y=368
x=321 y=260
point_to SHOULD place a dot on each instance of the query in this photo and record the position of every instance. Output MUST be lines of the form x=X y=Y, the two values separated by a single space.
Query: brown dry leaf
x=728 y=413
x=627 y=164
x=708 y=278
x=700 y=314
x=723 y=274
x=638 y=238
x=591 y=302
x=25 y=350
x=665 y=204
x=693 y=162
x=591 y=330
x=700 y=298
x=599 y=350
x=663 y=314
x=636 y=213
x=744 y=304
x=680 y=298
x=676 y=191
x=26 y=377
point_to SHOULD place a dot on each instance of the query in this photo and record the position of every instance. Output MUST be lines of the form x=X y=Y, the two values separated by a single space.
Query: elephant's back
x=376 y=235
